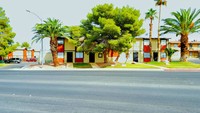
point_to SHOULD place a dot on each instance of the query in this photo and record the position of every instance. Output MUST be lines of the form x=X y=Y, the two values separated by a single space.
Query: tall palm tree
x=51 y=28
x=159 y=3
x=151 y=14
x=184 y=23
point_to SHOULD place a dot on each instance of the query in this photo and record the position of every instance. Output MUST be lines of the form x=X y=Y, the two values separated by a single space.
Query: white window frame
x=60 y=55
x=60 y=41
x=163 y=55
x=146 y=42
x=175 y=45
x=163 y=42
x=79 y=54
x=147 y=55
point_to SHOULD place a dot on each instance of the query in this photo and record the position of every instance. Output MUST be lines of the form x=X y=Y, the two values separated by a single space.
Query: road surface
x=99 y=92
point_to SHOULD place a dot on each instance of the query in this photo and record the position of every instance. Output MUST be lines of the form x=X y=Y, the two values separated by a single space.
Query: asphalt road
x=17 y=65
x=99 y=92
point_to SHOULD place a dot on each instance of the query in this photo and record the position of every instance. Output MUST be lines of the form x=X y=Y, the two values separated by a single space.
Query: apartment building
x=140 y=52
x=193 y=48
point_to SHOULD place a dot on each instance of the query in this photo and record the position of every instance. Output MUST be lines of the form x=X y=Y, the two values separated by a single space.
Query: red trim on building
x=146 y=48
x=79 y=60
x=113 y=53
x=147 y=59
x=60 y=48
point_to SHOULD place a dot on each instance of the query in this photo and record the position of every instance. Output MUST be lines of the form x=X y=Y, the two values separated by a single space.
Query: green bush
x=1 y=61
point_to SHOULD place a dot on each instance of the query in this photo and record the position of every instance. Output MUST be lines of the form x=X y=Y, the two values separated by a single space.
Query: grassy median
x=2 y=64
x=130 y=65
x=82 y=65
x=176 y=64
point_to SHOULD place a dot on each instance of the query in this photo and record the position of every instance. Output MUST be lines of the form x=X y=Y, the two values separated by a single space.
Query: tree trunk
x=159 y=33
x=105 y=52
x=150 y=38
x=117 y=58
x=127 y=56
x=184 y=48
x=169 y=58
x=54 y=50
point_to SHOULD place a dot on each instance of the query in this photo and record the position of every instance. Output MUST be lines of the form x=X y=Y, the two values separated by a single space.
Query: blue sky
x=71 y=12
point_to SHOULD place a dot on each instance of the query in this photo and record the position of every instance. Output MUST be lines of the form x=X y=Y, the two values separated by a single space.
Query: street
x=99 y=92
x=17 y=66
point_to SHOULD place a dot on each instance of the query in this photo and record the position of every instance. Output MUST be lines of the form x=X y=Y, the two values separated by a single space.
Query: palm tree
x=184 y=23
x=52 y=28
x=159 y=3
x=170 y=52
x=151 y=14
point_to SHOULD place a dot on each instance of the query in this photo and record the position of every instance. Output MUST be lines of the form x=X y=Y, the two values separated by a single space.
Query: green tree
x=106 y=27
x=159 y=3
x=51 y=28
x=25 y=44
x=170 y=52
x=7 y=44
x=184 y=23
x=151 y=14
x=76 y=36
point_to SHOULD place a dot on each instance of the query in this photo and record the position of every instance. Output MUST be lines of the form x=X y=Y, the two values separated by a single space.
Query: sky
x=71 y=12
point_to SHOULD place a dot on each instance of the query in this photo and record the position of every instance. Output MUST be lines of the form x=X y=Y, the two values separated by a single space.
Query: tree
x=76 y=36
x=151 y=14
x=25 y=44
x=7 y=44
x=159 y=3
x=106 y=28
x=51 y=28
x=184 y=23
x=170 y=52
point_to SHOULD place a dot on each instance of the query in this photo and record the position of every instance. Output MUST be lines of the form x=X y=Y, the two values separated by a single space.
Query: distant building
x=24 y=54
x=193 y=48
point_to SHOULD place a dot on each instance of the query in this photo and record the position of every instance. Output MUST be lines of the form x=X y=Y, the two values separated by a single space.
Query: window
x=163 y=55
x=190 y=53
x=60 y=55
x=146 y=42
x=60 y=41
x=163 y=42
x=198 y=45
x=100 y=55
x=175 y=45
x=136 y=46
x=79 y=54
x=146 y=55
x=191 y=45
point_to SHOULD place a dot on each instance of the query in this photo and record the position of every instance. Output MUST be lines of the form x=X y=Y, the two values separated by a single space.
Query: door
x=155 y=56
x=135 y=56
x=69 y=56
x=92 y=57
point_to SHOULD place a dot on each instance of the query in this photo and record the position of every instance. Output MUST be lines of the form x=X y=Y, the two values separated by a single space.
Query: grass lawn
x=82 y=65
x=2 y=64
x=129 y=65
x=176 y=64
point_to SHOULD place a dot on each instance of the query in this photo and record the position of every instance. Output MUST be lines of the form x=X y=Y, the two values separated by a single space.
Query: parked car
x=31 y=60
x=13 y=60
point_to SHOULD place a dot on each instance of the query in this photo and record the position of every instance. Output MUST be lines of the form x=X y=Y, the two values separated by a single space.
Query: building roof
x=153 y=38
x=190 y=42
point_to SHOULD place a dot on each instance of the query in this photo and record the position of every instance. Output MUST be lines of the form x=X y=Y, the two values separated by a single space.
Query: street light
x=41 y=55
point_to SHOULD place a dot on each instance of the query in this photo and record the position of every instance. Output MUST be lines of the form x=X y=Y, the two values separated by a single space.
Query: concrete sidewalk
x=95 y=67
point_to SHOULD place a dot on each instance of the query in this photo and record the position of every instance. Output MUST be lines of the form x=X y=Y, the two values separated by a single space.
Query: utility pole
x=41 y=51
